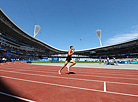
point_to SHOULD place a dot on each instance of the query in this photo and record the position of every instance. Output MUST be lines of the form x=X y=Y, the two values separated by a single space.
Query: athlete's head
x=71 y=47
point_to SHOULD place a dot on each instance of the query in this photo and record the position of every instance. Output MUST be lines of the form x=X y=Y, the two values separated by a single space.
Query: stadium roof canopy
x=16 y=32
x=6 y=24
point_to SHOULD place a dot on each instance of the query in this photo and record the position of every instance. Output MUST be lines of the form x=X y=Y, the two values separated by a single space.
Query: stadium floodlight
x=36 y=30
x=99 y=36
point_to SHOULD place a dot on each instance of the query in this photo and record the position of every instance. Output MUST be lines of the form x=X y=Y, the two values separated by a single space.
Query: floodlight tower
x=36 y=30
x=99 y=36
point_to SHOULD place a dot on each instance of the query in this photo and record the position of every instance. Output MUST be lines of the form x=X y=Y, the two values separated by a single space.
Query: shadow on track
x=69 y=73
x=6 y=89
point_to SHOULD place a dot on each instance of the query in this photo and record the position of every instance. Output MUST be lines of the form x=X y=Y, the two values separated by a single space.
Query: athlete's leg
x=73 y=63
x=63 y=66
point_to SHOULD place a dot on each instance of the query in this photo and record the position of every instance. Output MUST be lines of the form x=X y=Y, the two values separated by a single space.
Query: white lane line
x=70 y=78
x=34 y=67
x=102 y=68
x=94 y=75
x=82 y=74
x=16 y=97
x=109 y=77
x=97 y=73
x=109 y=73
x=73 y=87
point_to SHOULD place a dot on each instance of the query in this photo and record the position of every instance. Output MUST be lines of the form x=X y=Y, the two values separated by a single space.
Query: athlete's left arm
x=69 y=53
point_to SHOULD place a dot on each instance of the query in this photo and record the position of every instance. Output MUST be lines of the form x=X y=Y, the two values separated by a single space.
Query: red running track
x=22 y=82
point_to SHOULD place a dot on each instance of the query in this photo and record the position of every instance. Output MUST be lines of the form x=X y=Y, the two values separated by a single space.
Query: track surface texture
x=20 y=82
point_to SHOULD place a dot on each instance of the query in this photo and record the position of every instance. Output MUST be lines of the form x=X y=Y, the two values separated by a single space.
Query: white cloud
x=123 y=37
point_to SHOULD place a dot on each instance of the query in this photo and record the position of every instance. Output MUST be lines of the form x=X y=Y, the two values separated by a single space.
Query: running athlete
x=68 y=59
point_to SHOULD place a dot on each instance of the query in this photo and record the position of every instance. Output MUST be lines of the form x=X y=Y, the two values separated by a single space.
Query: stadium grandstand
x=17 y=44
x=121 y=50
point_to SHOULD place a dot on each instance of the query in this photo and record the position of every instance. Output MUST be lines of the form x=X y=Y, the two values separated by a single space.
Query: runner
x=115 y=62
x=68 y=59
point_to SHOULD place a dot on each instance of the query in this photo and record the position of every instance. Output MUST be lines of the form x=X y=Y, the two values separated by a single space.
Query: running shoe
x=68 y=68
x=59 y=72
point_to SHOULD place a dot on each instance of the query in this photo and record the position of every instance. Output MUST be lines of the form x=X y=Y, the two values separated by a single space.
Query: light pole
x=36 y=30
x=98 y=32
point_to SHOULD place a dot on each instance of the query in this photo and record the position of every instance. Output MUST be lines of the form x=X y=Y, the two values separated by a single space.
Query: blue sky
x=65 y=22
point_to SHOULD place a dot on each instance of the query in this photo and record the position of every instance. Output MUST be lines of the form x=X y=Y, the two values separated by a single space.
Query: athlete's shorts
x=68 y=59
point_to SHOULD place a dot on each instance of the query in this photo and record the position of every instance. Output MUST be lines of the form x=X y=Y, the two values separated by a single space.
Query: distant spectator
x=4 y=60
x=105 y=61
x=108 y=61
x=100 y=60
x=115 y=62
x=17 y=59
